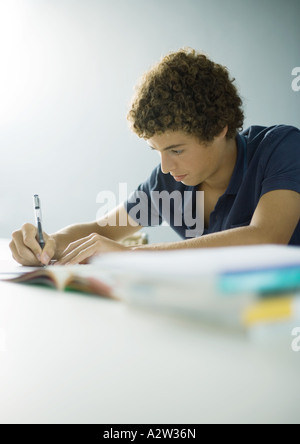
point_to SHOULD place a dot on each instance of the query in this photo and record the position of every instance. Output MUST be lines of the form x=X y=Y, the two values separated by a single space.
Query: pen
x=38 y=220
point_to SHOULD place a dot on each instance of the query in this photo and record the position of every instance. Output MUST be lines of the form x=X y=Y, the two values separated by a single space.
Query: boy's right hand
x=26 y=249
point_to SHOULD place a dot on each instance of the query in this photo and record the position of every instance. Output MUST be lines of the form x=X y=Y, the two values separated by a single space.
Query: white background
x=67 y=72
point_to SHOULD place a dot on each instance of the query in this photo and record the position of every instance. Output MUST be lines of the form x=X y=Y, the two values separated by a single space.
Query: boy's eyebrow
x=169 y=147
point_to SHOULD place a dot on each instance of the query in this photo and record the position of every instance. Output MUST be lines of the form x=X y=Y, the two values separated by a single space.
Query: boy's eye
x=176 y=152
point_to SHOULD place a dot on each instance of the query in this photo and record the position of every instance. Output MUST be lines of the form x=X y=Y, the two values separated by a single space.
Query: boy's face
x=190 y=161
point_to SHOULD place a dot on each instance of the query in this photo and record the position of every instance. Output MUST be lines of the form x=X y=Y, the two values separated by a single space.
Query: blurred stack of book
x=254 y=288
x=251 y=287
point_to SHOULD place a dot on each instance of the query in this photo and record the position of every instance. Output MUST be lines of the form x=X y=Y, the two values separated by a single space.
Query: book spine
x=260 y=281
x=272 y=310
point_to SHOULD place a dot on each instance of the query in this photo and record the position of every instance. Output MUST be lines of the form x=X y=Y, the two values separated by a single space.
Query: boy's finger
x=48 y=251
x=29 y=239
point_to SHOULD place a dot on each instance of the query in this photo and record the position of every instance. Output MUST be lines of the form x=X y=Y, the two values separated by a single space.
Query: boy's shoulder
x=258 y=133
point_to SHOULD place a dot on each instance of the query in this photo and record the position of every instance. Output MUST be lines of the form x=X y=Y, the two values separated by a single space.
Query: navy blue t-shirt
x=268 y=159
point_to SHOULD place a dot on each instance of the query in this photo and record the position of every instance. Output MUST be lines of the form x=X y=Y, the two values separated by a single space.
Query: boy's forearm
x=236 y=236
x=75 y=232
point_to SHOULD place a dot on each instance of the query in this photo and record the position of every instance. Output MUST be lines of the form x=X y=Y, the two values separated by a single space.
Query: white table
x=71 y=358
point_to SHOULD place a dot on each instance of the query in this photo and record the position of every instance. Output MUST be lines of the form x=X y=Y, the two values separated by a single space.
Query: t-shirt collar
x=238 y=172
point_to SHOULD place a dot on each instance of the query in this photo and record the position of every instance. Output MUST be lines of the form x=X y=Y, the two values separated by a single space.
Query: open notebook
x=83 y=278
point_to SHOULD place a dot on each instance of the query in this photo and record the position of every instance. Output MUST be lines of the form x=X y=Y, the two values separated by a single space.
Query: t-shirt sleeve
x=282 y=168
x=139 y=203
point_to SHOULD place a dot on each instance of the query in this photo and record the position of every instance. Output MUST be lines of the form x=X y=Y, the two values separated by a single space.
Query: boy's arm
x=116 y=225
x=274 y=221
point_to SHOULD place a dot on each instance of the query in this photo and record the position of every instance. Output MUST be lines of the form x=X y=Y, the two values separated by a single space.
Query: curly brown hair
x=187 y=92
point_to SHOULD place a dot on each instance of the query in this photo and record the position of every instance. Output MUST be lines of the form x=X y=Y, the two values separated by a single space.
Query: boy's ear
x=224 y=131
